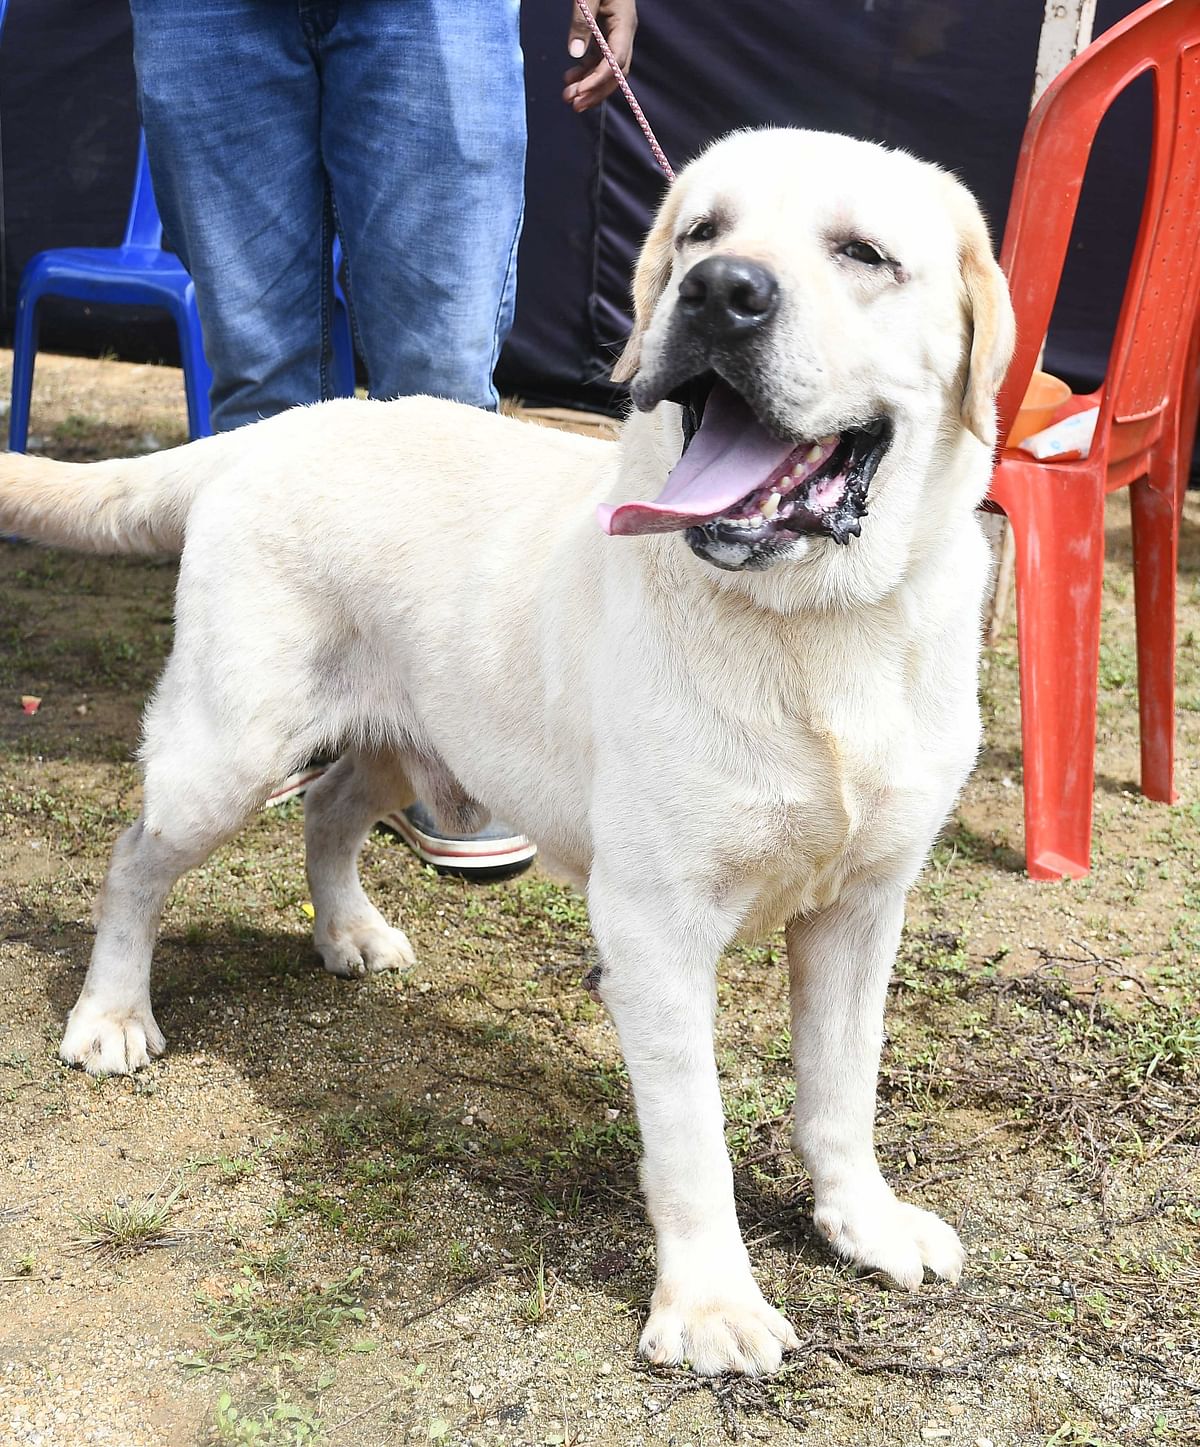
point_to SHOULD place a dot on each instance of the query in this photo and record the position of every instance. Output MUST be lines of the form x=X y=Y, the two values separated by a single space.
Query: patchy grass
x=127 y=1228
x=281 y=1423
x=266 y=1314
x=541 y=1293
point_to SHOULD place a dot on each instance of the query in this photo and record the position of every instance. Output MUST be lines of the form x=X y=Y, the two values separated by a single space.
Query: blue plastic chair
x=137 y=273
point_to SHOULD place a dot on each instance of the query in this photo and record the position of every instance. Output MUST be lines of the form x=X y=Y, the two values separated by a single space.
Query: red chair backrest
x=1162 y=294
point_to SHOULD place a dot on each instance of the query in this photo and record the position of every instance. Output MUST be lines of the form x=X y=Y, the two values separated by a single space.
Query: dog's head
x=828 y=320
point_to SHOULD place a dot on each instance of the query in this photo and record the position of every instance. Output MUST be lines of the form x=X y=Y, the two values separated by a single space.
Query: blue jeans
x=401 y=123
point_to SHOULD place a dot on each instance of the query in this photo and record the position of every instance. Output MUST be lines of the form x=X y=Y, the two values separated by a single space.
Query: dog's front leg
x=658 y=982
x=840 y=963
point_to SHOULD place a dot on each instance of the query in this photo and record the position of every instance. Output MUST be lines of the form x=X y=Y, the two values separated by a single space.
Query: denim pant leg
x=423 y=138
x=230 y=102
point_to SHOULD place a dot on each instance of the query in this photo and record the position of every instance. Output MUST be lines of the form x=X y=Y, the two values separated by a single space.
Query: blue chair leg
x=343 y=347
x=25 y=344
x=197 y=378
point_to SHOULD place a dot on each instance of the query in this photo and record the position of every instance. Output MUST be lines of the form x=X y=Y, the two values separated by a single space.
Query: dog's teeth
x=814 y=453
x=769 y=505
x=827 y=441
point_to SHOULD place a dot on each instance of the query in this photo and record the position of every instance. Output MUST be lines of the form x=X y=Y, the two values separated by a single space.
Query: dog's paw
x=724 y=1332
x=365 y=948
x=110 y=1042
x=877 y=1232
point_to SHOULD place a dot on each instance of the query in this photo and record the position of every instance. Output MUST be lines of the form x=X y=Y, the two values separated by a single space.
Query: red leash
x=638 y=113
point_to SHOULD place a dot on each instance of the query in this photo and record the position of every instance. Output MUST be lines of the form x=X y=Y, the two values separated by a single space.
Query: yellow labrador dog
x=723 y=669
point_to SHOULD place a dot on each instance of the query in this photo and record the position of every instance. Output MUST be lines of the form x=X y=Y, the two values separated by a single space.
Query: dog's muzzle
x=742 y=493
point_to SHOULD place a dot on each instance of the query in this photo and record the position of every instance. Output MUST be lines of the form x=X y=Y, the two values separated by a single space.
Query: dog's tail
x=128 y=505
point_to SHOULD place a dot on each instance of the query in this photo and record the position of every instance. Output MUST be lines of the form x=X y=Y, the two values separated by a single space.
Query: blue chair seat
x=93 y=273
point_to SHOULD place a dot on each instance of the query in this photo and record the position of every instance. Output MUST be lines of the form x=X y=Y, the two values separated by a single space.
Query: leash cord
x=638 y=113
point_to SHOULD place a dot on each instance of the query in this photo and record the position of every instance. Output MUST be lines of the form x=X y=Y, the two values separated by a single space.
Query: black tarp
x=947 y=79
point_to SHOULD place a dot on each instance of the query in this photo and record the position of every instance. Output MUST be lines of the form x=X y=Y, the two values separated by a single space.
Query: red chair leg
x=1058 y=529
x=1155 y=560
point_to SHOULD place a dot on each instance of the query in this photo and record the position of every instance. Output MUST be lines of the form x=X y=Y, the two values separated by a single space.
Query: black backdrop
x=947 y=79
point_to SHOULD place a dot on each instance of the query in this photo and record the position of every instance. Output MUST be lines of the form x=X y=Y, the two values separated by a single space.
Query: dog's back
x=140 y=505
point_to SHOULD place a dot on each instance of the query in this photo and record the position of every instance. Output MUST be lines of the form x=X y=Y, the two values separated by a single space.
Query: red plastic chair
x=1147 y=400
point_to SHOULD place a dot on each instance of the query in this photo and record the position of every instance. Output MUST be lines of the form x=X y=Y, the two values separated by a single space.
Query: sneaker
x=296 y=783
x=494 y=849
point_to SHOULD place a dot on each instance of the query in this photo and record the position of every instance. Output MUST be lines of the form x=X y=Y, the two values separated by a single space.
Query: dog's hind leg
x=198 y=792
x=112 y=1030
x=340 y=810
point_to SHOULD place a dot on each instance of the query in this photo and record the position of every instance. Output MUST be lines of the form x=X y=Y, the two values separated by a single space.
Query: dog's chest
x=852 y=784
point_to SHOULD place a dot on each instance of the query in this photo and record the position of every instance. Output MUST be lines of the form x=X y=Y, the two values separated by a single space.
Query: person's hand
x=591 y=79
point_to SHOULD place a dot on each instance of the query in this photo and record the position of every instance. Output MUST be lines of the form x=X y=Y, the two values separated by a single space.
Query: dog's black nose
x=728 y=295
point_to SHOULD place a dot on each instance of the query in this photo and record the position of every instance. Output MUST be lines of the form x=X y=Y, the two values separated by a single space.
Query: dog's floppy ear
x=649 y=282
x=989 y=316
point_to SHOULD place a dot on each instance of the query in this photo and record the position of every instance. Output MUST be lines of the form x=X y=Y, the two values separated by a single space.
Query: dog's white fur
x=715 y=754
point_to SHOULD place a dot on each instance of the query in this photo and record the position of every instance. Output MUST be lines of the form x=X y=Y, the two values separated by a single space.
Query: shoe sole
x=294 y=784
x=462 y=856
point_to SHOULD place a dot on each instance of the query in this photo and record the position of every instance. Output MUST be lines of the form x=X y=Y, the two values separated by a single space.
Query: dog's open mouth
x=739 y=486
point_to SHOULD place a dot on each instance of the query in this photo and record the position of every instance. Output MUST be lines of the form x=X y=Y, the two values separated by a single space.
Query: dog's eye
x=863 y=251
x=704 y=230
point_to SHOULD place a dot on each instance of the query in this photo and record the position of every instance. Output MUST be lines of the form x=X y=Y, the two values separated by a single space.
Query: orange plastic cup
x=1044 y=396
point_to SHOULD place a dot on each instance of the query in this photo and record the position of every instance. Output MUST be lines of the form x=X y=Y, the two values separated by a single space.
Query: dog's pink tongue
x=731 y=455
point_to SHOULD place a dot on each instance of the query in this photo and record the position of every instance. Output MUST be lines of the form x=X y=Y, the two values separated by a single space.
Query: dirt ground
x=407 y=1210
